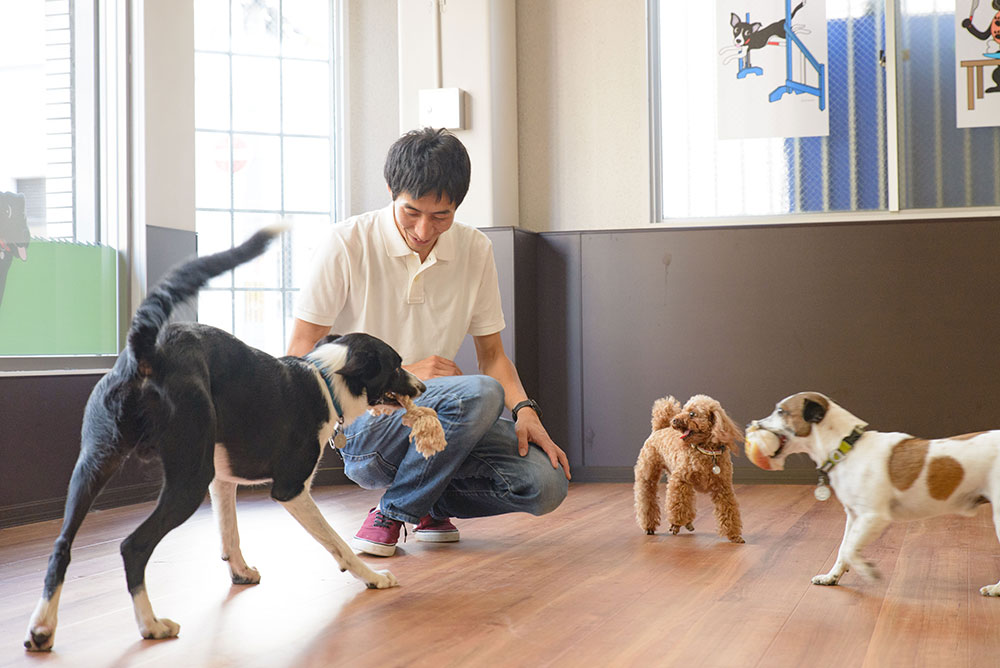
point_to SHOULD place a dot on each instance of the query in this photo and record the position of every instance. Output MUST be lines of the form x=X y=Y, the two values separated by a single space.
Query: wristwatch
x=523 y=404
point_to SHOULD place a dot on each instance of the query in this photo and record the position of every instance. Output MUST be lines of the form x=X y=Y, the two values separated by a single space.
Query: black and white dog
x=216 y=413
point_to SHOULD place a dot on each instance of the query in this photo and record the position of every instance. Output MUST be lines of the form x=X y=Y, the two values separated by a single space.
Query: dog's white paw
x=40 y=638
x=826 y=579
x=383 y=580
x=160 y=628
x=245 y=576
x=990 y=590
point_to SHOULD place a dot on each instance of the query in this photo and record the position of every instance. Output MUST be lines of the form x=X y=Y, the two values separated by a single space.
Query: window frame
x=336 y=59
x=109 y=181
x=894 y=176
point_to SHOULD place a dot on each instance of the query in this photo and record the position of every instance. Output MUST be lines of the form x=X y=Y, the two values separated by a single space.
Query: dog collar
x=329 y=386
x=714 y=454
x=822 y=491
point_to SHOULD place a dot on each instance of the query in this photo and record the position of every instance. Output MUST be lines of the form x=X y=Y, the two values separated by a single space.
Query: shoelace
x=383 y=521
x=387 y=522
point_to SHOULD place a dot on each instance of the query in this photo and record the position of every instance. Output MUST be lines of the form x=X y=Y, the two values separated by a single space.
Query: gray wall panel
x=894 y=321
x=165 y=248
x=503 y=254
x=526 y=309
x=558 y=334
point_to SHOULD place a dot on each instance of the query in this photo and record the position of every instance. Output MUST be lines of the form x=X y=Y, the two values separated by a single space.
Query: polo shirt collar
x=395 y=245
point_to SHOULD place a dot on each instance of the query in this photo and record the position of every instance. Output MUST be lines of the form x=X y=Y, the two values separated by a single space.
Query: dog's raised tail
x=663 y=411
x=182 y=283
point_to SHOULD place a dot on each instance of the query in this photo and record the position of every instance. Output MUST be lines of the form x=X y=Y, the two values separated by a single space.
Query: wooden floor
x=582 y=586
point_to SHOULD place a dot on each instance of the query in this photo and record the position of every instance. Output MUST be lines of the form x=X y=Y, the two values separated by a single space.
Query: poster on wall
x=772 y=68
x=977 y=63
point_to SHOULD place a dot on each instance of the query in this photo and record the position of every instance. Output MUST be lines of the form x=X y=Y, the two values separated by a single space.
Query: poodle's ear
x=724 y=430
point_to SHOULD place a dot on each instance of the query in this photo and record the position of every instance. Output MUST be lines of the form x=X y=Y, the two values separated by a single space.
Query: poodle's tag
x=716 y=470
x=822 y=492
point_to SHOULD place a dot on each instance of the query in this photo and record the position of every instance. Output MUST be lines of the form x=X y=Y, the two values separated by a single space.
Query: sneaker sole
x=436 y=536
x=369 y=547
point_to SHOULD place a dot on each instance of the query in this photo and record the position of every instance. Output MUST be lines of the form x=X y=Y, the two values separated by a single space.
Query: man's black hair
x=428 y=161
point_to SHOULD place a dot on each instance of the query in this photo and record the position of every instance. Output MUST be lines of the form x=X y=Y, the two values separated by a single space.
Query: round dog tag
x=716 y=470
x=822 y=493
x=339 y=441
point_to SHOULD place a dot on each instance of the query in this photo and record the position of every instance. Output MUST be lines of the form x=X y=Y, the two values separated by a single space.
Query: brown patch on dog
x=943 y=476
x=966 y=437
x=906 y=462
x=793 y=408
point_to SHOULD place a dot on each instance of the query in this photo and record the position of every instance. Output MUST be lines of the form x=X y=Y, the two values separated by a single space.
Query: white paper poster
x=772 y=81
x=977 y=63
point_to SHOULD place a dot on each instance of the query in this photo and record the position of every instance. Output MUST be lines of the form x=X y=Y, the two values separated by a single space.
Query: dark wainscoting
x=896 y=321
x=39 y=443
x=42 y=414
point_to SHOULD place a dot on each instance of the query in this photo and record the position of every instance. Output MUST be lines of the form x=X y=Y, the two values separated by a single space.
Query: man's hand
x=530 y=430
x=433 y=367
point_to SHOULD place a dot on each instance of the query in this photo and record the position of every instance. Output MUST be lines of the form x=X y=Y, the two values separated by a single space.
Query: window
x=59 y=263
x=265 y=144
x=891 y=112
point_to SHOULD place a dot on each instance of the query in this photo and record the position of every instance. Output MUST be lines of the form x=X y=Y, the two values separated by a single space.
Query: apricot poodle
x=692 y=446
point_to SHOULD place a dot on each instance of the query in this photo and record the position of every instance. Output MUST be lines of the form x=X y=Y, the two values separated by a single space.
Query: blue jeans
x=479 y=473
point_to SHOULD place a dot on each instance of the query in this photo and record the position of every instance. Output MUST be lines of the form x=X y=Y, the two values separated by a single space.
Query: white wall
x=583 y=137
x=566 y=148
x=478 y=53
x=168 y=114
x=372 y=104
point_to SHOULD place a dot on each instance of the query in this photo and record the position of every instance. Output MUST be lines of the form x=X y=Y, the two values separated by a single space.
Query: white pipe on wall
x=436 y=39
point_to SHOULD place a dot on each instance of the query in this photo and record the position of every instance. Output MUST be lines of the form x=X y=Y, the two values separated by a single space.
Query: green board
x=61 y=301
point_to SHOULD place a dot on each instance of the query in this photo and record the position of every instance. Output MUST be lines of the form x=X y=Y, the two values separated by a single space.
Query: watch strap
x=525 y=404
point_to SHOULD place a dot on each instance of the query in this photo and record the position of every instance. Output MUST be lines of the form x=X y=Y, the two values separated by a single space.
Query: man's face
x=422 y=221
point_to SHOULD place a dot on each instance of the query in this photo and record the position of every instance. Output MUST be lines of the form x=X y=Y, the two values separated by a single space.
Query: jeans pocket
x=370 y=471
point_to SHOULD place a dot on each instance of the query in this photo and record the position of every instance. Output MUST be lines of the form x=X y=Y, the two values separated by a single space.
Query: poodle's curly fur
x=675 y=448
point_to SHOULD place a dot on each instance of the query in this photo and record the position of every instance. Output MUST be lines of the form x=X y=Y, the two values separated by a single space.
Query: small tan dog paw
x=383 y=580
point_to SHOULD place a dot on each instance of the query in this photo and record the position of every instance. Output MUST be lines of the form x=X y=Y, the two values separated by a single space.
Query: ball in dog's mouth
x=761 y=445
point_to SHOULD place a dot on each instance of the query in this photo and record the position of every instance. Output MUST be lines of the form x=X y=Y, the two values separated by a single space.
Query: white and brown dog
x=879 y=477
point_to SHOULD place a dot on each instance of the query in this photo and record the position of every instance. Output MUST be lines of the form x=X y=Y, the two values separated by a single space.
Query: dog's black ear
x=360 y=364
x=734 y=20
x=813 y=411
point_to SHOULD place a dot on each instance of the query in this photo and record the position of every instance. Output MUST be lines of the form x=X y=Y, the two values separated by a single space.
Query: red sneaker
x=378 y=535
x=435 y=531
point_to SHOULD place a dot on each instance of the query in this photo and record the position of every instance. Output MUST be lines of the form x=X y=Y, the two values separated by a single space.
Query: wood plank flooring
x=582 y=586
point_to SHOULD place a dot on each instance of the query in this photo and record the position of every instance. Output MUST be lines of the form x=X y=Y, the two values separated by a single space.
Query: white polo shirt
x=364 y=278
